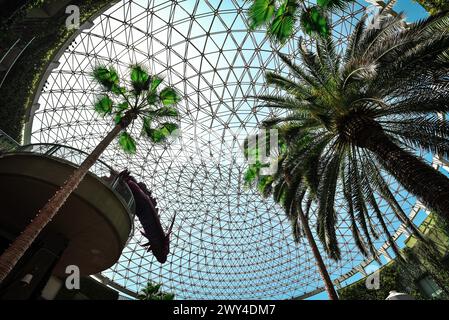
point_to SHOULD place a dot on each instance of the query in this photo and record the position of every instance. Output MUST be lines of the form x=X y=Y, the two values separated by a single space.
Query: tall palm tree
x=288 y=193
x=143 y=100
x=280 y=16
x=354 y=119
x=153 y=292
x=297 y=199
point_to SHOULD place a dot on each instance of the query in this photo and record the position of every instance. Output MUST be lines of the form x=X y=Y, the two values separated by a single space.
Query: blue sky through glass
x=412 y=10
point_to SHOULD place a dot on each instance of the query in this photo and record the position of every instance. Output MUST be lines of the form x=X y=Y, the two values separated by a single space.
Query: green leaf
x=139 y=79
x=117 y=89
x=104 y=106
x=166 y=111
x=108 y=77
x=282 y=148
x=315 y=21
x=122 y=106
x=250 y=175
x=252 y=153
x=322 y=3
x=118 y=117
x=152 y=98
x=333 y=4
x=282 y=28
x=170 y=127
x=127 y=143
x=155 y=135
x=155 y=288
x=101 y=73
x=155 y=82
x=168 y=296
x=147 y=125
x=283 y=24
x=167 y=129
x=260 y=12
x=161 y=133
x=168 y=96
x=263 y=184
x=282 y=198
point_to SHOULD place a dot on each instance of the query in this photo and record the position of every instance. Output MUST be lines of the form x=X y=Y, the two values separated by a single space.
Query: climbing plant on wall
x=434 y=6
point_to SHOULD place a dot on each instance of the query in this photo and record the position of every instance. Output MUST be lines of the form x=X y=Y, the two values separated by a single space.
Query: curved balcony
x=100 y=169
x=97 y=219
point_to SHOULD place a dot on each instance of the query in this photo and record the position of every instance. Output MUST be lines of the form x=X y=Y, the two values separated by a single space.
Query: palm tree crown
x=153 y=292
x=143 y=100
x=280 y=17
x=353 y=118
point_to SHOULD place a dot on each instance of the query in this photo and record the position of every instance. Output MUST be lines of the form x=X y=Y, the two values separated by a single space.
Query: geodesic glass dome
x=228 y=242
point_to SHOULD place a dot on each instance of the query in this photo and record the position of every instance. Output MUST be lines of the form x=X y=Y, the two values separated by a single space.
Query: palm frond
x=334 y=4
x=327 y=53
x=428 y=133
x=388 y=7
x=312 y=63
x=127 y=143
x=286 y=84
x=140 y=79
x=261 y=12
x=108 y=78
x=347 y=192
x=298 y=71
x=326 y=217
x=423 y=102
x=381 y=185
x=373 y=203
x=360 y=204
x=371 y=38
x=314 y=21
x=281 y=27
x=354 y=39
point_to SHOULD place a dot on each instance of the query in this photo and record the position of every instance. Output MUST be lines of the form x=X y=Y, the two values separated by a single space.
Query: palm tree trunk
x=429 y=185
x=318 y=259
x=22 y=243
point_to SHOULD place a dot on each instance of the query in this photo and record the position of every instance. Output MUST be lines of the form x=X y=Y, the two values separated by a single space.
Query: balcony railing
x=7 y=144
x=100 y=169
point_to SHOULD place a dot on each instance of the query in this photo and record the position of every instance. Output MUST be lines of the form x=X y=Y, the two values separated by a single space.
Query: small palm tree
x=353 y=119
x=280 y=17
x=153 y=292
x=143 y=100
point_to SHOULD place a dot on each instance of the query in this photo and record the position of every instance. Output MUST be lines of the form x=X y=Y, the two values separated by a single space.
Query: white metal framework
x=228 y=242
